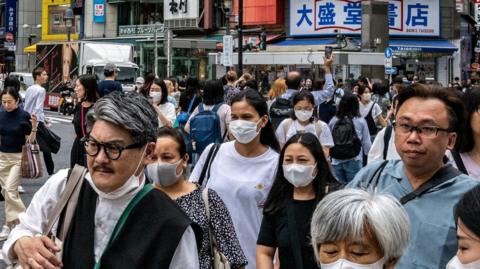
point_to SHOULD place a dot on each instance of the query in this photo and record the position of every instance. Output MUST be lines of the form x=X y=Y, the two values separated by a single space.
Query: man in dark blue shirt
x=109 y=84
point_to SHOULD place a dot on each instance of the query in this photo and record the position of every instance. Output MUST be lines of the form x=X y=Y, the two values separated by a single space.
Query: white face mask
x=156 y=97
x=345 y=264
x=244 y=131
x=299 y=175
x=367 y=97
x=455 y=263
x=131 y=184
x=164 y=174
x=303 y=115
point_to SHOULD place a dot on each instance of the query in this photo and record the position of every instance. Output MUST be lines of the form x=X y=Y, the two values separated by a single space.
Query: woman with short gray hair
x=357 y=228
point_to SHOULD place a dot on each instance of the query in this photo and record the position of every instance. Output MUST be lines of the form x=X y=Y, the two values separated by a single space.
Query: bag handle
x=73 y=184
x=213 y=243
x=376 y=176
x=208 y=162
x=459 y=162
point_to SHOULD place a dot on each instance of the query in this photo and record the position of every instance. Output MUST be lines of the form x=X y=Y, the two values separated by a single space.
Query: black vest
x=148 y=238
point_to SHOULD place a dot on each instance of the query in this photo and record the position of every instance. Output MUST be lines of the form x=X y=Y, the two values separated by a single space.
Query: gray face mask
x=164 y=174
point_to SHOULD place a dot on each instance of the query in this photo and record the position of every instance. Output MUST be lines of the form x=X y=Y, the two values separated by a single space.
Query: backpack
x=318 y=127
x=326 y=110
x=280 y=109
x=205 y=128
x=345 y=138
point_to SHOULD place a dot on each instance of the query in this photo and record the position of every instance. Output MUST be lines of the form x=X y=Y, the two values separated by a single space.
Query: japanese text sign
x=323 y=17
x=11 y=19
x=99 y=11
x=180 y=9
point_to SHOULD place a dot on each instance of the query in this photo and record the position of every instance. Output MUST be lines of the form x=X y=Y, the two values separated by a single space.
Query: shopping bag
x=31 y=165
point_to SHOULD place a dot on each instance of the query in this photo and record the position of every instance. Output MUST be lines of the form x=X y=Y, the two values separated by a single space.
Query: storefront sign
x=227 y=50
x=327 y=17
x=129 y=30
x=10 y=46
x=11 y=19
x=99 y=11
x=477 y=12
x=180 y=9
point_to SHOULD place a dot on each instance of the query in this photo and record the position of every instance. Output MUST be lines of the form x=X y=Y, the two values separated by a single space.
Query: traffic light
x=263 y=41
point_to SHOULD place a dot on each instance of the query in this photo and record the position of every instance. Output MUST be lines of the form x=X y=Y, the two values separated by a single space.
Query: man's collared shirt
x=433 y=230
x=34 y=99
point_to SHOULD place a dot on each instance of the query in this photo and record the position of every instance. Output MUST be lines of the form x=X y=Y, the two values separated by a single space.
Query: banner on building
x=99 y=11
x=327 y=17
x=180 y=9
x=11 y=20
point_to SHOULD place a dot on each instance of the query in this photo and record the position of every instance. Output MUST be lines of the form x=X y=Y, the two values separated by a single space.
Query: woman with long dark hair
x=243 y=170
x=303 y=174
x=466 y=155
x=348 y=116
x=86 y=89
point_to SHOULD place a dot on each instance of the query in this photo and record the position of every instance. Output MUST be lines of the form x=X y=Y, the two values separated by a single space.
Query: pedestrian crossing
x=54 y=117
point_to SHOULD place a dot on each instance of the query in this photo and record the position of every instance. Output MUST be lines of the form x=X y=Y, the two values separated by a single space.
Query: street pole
x=240 y=37
x=227 y=16
x=169 y=53
x=155 y=51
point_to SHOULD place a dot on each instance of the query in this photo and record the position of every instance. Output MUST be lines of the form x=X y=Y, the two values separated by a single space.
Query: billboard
x=327 y=17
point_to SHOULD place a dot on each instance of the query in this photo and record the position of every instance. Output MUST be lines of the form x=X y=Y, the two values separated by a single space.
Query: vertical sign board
x=10 y=24
x=227 y=50
x=326 y=17
x=180 y=9
x=99 y=11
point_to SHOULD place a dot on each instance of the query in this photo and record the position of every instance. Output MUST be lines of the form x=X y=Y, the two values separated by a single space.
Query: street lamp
x=68 y=18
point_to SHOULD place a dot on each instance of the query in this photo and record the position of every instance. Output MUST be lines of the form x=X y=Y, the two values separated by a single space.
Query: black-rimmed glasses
x=113 y=151
x=423 y=131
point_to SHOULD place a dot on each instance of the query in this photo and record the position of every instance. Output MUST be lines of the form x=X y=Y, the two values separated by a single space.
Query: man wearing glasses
x=427 y=124
x=122 y=130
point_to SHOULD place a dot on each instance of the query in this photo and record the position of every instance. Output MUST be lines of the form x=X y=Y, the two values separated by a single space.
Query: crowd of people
x=192 y=174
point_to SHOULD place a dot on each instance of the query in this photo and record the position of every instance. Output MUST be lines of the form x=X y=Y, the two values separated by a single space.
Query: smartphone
x=328 y=51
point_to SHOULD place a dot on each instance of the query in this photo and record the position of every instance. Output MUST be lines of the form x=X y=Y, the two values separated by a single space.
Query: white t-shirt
x=472 y=167
x=243 y=184
x=324 y=136
x=223 y=113
x=168 y=110
x=376 y=151
x=364 y=109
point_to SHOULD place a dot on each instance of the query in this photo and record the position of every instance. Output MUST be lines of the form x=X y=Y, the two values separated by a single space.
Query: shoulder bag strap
x=386 y=140
x=294 y=239
x=200 y=108
x=442 y=175
x=73 y=183
x=206 y=166
x=191 y=104
x=376 y=176
x=207 y=211
x=459 y=162
x=371 y=109
x=123 y=218
x=82 y=120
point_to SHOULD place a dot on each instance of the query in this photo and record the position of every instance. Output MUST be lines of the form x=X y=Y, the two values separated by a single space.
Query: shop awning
x=416 y=45
x=30 y=49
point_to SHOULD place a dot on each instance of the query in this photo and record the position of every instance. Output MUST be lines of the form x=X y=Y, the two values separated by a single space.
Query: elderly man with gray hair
x=356 y=229
x=119 y=220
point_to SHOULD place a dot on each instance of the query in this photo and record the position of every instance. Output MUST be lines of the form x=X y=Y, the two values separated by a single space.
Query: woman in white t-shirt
x=213 y=95
x=242 y=171
x=370 y=110
x=302 y=121
x=165 y=110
